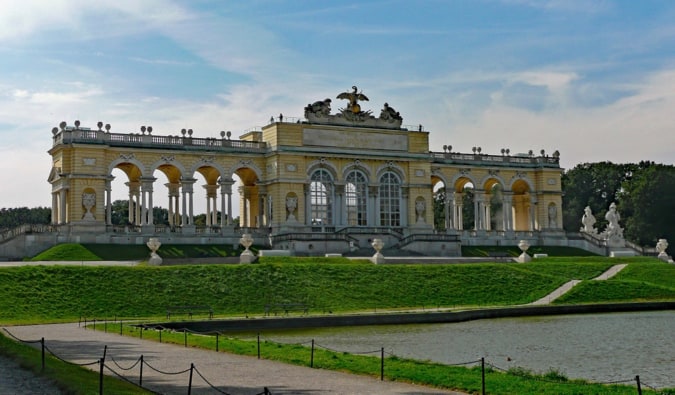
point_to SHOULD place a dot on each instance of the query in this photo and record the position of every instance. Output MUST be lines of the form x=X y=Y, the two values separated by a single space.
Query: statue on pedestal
x=588 y=220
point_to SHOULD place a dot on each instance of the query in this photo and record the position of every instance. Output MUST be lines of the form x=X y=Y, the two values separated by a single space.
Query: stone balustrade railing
x=495 y=160
x=88 y=136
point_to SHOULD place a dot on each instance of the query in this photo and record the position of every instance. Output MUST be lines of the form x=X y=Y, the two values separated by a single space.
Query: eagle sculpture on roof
x=353 y=98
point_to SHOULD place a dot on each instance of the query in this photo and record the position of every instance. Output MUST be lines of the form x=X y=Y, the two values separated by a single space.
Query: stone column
x=372 y=206
x=308 y=204
x=188 y=204
x=108 y=200
x=55 y=213
x=147 y=216
x=339 y=217
x=507 y=210
x=405 y=196
x=458 y=210
x=211 y=206
x=533 y=213
x=174 y=195
x=477 y=212
x=226 y=189
x=63 y=218
x=446 y=210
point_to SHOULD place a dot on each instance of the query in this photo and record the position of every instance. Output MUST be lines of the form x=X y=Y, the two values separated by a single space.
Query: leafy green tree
x=592 y=184
x=647 y=203
x=14 y=217
x=468 y=209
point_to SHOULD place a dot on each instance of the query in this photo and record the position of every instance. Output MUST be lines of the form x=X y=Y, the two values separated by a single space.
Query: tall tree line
x=644 y=193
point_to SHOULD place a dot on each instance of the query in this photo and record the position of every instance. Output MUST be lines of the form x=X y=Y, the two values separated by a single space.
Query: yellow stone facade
x=349 y=173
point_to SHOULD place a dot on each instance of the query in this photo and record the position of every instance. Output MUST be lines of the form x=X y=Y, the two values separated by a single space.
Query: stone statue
x=318 y=108
x=291 y=205
x=353 y=98
x=389 y=114
x=613 y=231
x=588 y=220
x=419 y=209
x=552 y=216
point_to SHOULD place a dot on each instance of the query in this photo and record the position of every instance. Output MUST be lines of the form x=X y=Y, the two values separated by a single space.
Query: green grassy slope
x=54 y=293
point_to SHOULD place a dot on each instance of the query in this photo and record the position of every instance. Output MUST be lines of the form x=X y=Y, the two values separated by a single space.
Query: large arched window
x=390 y=200
x=321 y=197
x=356 y=194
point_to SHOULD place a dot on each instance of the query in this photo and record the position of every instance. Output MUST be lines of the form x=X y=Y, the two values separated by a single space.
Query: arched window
x=390 y=200
x=356 y=194
x=321 y=197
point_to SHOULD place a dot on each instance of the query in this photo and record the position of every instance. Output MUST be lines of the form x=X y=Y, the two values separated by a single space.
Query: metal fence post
x=311 y=359
x=382 y=364
x=100 y=377
x=140 y=378
x=639 y=388
x=185 y=337
x=42 y=342
x=482 y=374
x=192 y=367
x=216 y=341
x=258 y=345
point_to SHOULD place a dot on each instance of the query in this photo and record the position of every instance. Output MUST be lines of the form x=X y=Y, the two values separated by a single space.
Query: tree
x=647 y=203
x=596 y=185
x=13 y=217
x=439 y=209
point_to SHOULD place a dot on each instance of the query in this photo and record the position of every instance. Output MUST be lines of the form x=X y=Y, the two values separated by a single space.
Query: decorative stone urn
x=378 y=258
x=247 y=256
x=524 y=257
x=88 y=202
x=154 y=244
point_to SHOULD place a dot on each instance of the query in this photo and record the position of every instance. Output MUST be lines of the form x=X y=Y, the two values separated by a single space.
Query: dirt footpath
x=228 y=373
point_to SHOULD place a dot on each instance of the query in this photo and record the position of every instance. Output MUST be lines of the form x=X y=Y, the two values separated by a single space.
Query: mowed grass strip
x=66 y=293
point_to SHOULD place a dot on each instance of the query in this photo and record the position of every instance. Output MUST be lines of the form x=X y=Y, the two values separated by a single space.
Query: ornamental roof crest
x=353 y=114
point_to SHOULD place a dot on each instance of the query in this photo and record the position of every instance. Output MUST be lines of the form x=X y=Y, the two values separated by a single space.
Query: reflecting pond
x=600 y=347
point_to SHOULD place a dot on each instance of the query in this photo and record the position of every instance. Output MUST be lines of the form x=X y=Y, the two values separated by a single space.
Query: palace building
x=325 y=183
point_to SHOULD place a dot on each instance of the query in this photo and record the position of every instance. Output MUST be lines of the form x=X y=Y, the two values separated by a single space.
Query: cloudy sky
x=592 y=79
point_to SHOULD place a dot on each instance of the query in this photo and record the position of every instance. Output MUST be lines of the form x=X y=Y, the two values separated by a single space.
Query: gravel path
x=15 y=380
x=229 y=373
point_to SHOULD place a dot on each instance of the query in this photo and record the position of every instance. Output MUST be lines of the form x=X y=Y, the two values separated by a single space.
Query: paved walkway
x=232 y=374
x=563 y=289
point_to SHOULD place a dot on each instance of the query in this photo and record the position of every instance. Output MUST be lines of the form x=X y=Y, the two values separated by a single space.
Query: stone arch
x=357 y=165
x=132 y=162
x=165 y=165
x=253 y=173
x=322 y=163
x=459 y=180
x=392 y=167
x=524 y=213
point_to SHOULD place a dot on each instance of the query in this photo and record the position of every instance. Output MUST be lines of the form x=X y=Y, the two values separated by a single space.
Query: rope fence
x=140 y=362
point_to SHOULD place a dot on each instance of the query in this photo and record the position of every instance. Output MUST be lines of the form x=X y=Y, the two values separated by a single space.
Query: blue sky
x=592 y=79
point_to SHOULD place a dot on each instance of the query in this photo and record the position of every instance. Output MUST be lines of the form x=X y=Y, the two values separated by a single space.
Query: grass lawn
x=40 y=294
